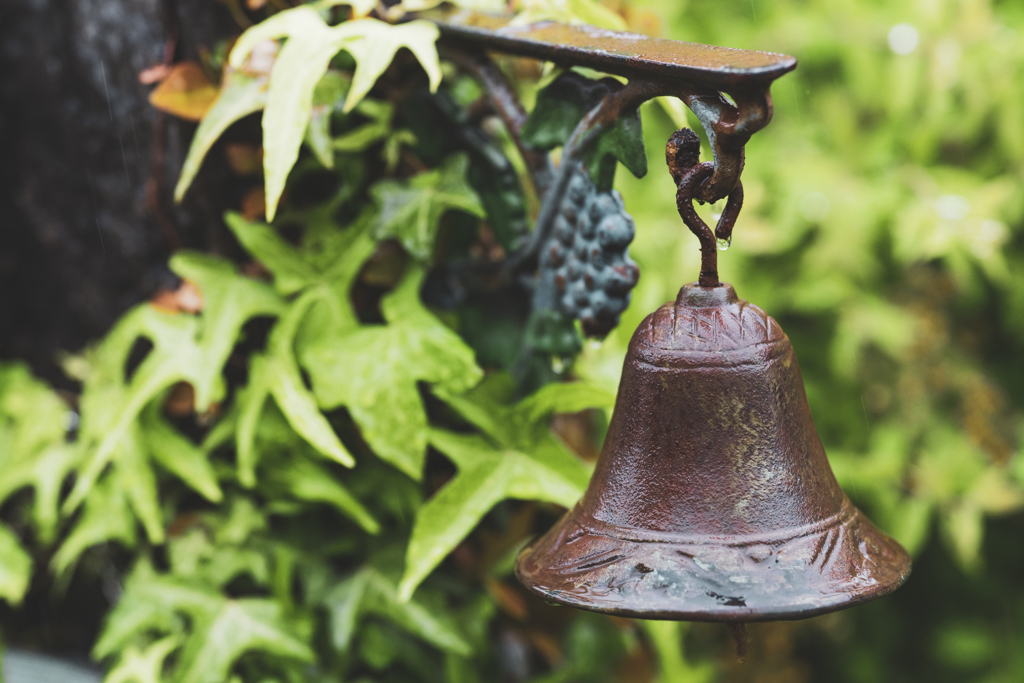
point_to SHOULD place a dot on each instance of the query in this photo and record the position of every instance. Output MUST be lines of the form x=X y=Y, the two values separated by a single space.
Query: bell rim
x=723 y=616
x=813 y=601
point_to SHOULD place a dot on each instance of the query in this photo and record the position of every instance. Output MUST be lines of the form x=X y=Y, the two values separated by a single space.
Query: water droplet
x=724 y=244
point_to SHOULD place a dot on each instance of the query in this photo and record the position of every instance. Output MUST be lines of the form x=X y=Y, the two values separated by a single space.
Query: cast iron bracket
x=699 y=75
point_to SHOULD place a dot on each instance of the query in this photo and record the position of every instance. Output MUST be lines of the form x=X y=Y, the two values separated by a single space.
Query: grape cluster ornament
x=589 y=254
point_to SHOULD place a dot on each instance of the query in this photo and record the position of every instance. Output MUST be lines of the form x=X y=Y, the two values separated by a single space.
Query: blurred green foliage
x=268 y=468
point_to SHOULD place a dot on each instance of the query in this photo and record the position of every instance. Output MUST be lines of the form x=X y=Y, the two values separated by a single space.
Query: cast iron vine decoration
x=727 y=89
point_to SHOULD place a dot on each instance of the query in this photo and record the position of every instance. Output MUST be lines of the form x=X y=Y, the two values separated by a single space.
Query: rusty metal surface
x=624 y=54
x=681 y=154
x=697 y=74
x=713 y=499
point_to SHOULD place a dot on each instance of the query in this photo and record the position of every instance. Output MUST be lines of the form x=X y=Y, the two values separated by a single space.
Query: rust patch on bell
x=713 y=499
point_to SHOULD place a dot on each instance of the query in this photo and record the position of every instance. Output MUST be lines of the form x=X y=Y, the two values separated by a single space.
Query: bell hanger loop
x=682 y=155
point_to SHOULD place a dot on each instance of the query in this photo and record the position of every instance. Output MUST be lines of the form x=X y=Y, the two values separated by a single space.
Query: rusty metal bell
x=713 y=499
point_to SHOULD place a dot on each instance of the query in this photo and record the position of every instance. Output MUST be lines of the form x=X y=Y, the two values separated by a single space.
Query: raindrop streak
x=124 y=159
x=106 y=92
x=95 y=213
x=724 y=244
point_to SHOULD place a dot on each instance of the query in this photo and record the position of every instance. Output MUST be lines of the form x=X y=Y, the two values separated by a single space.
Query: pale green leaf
x=318 y=136
x=301 y=63
x=143 y=666
x=240 y=95
x=45 y=472
x=134 y=475
x=299 y=66
x=488 y=406
x=372 y=592
x=237 y=627
x=152 y=602
x=411 y=210
x=15 y=567
x=964 y=530
x=178 y=455
x=569 y=12
x=375 y=46
x=486 y=476
x=288 y=389
x=373 y=370
x=277 y=374
x=105 y=517
x=291 y=271
x=308 y=481
x=35 y=414
x=229 y=300
x=667 y=639
x=293 y=22
x=109 y=408
x=33 y=451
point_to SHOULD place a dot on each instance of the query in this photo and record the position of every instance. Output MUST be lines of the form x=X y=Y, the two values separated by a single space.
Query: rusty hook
x=682 y=154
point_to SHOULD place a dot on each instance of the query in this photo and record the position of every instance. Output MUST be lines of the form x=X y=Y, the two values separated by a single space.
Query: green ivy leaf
x=299 y=477
x=318 y=136
x=371 y=592
x=488 y=406
x=559 y=109
x=142 y=666
x=334 y=260
x=277 y=374
x=33 y=452
x=622 y=142
x=15 y=567
x=236 y=627
x=411 y=210
x=240 y=95
x=221 y=629
x=178 y=455
x=106 y=516
x=153 y=602
x=229 y=300
x=109 y=407
x=303 y=60
x=185 y=348
x=569 y=12
x=373 y=370
x=136 y=478
x=488 y=474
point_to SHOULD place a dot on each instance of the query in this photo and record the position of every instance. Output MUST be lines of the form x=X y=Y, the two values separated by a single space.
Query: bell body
x=712 y=499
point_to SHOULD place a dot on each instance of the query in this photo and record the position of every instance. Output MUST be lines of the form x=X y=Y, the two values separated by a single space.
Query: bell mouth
x=838 y=562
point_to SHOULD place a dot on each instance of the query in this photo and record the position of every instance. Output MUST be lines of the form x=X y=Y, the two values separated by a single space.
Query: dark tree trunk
x=86 y=218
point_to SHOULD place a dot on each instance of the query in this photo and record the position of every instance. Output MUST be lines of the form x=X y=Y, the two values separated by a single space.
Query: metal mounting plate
x=615 y=52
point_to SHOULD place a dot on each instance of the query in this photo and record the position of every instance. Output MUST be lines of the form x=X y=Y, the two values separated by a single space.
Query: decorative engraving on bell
x=712 y=499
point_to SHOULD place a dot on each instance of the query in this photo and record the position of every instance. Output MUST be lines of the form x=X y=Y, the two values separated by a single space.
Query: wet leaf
x=178 y=455
x=240 y=95
x=411 y=210
x=372 y=592
x=297 y=476
x=15 y=567
x=230 y=300
x=302 y=62
x=106 y=516
x=373 y=370
x=488 y=473
x=142 y=666
x=589 y=12
x=185 y=92
x=277 y=374
x=236 y=627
